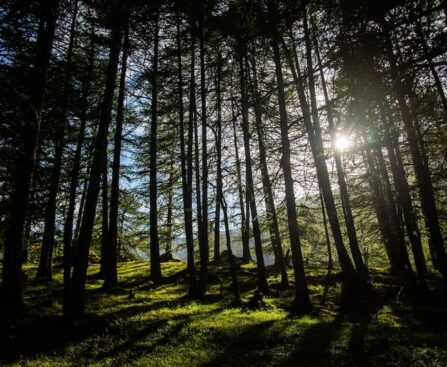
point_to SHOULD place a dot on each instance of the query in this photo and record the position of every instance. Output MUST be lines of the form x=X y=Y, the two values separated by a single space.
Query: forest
x=223 y=183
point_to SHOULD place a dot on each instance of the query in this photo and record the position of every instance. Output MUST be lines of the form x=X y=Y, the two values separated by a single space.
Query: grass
x=159 y=326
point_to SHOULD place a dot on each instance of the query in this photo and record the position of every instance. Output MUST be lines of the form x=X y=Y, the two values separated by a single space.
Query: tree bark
x=12 y=284
x=155 y=245
x=219 y=190
x=245 y=230
x=104 y=212
x=74 y=181
x=262 y=276
x=349 y=273
x=187 y=166
x=272 y=218
x=404 y=198
x=347 y=210
x=45 y=268
x=85 y=234
x=110 y=273
x=302 y=299
x=204 y=248
x=422 y=170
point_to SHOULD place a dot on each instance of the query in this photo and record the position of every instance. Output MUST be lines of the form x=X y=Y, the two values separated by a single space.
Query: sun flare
x=342 y=142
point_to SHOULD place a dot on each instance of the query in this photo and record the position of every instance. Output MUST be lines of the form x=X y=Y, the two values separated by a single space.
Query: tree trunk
x=74 y=181
x=347 y=210
x=245 y=226
x=398 y=236
x=262 y=276
x=110 y=273
x=218 y=163
x=422 y=170
x=45 y=268
x=169 y=224
x=231 y=259
x=267 y=185
x=187 y=166
x=155 y=245
x=204 y=249
x=104 y=212
x=349 y=273
x=302 y=299
x=88 y=218
x=12 y=285
x=404 y=197
x=330 y=262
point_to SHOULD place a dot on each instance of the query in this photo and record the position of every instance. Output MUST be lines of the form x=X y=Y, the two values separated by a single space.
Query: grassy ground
x=159 y=326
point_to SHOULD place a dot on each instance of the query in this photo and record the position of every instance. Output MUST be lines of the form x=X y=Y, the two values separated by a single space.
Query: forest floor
x=142 y=325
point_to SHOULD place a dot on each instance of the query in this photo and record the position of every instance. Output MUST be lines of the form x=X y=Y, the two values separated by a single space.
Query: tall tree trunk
x=349 y=273
x=197 y=179
x=187 y=166
x=12 y=285
x=384 y=210
x=204 y=249
x=81 y=205
x=267 y=185
x=121 y=13
x=104 y=212
x=422 y=170
x=231 y=258
x=262 y=276
x=404 y=198
x=316 y=142
x=45 y=268
x=110 y=270
x=347 y=210
x=302 y=299
x=169 y=224
x=155 y=245
x=245 y=226
x=330 y=262
x=74 y=181
x=397 y=233
x=218 y=163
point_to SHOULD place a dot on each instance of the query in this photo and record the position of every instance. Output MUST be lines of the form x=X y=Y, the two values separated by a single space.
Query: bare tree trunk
x=422 y=170
x=204 y=249
x=330 y=262
x=347 y=210
x=104 y=212
x=155 y=245
x=110 y=270
x=267 y=185
x=12 y=284
x=262 y=276
x=231 y=259
x=347 y=267
x=302 y=299
x=217 y=258
x=187 y=167
x=169 y=224
x=74 y=181
x=246 y=256
x=88 y=218
x=404 y=197
x=45 y=268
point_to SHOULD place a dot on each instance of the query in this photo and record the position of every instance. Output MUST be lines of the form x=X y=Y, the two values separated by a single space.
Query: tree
x=12 y=284
x=119 y=8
